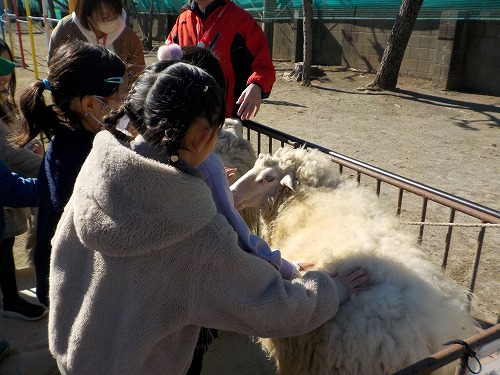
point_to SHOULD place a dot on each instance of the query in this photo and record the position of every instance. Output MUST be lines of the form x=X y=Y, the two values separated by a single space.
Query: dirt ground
x=445 y=139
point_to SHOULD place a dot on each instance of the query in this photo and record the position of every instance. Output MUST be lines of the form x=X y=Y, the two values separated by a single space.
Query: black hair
x=206 y=60
x=12 y=84
x=134 y=107
x=84 y=9
x=77 y=69
x=10 y=102
x=163 y=103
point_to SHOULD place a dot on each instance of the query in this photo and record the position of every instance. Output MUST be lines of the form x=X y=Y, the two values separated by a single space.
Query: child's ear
x=202 y=137
x=88 y=103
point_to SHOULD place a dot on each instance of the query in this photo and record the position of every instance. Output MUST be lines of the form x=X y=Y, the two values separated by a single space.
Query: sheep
x=237 y=152
x=311 y=214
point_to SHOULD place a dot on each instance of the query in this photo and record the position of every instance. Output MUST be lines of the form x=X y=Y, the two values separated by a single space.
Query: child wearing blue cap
x=23 y=161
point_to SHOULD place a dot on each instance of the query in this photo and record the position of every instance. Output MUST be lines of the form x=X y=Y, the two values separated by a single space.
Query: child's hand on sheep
x=231 y=172
x=354 y=279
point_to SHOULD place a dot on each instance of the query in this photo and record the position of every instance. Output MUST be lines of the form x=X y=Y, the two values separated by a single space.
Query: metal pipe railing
x=483 y=213
x=452 y=353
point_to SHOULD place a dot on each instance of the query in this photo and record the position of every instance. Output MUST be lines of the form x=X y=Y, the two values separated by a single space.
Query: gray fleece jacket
x=141 y=259
x=24 y=162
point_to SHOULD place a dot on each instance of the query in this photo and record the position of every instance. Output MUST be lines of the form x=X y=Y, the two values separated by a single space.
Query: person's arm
x=16 y=191
x=57 y=37
x=216 y=179
x=19 y=159
x=135 y=55
x=172 y=37
x=242 y=293
x=263 y=75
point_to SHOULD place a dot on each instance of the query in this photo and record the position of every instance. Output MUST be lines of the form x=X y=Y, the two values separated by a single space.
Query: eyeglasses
x=117 y=80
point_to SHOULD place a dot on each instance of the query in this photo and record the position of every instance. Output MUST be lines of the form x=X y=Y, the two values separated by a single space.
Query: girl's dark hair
x=84 y=9
x=197 y=56
x=134 y=106
x=9 y=112
x=77 y=69
x=164 y=102
x=206 y=60
x=12 y=84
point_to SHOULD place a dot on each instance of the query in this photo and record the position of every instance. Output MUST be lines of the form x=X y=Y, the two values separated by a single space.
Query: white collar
x=108 y=40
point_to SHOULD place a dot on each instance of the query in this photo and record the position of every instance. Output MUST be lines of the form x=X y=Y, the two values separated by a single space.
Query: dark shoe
x=23 y=309
x=4 y=349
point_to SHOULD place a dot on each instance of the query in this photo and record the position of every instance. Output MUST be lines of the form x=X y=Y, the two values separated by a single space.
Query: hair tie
x=170 y=51
x=46 y=84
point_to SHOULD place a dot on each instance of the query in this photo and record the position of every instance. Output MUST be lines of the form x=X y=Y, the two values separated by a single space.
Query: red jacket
x=240 y=45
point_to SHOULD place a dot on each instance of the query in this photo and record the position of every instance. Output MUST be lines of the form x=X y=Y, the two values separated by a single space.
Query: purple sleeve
x=216 y=179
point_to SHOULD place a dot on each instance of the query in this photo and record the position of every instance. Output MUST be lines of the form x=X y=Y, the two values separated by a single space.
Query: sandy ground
x=448 y=140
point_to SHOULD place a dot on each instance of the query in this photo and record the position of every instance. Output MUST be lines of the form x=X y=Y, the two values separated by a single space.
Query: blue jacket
x=15 y=191
x=61 y=165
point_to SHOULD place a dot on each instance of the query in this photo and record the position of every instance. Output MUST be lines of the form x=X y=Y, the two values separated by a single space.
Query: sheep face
x=256 y=187
x=284 y=173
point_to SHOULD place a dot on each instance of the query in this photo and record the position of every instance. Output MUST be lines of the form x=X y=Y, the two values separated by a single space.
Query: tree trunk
x=307 y=13
x=148 y=43
x=387 y=75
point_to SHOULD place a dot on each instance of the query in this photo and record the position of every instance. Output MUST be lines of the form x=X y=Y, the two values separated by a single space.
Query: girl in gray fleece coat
x=141 y=258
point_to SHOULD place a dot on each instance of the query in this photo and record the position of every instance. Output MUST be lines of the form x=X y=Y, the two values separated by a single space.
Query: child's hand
x=37 y=149
x=305 y=266
x=231 y=172
x=354 y=280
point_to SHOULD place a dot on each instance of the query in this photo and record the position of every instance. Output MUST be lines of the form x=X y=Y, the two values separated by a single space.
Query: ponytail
x=40 y=117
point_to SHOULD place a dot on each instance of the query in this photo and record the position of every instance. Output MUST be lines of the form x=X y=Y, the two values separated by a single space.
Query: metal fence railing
x=461 y=229
x=469 y=232
x=465 y=351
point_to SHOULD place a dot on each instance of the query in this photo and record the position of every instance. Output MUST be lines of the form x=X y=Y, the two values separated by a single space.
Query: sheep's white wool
x=411 y=309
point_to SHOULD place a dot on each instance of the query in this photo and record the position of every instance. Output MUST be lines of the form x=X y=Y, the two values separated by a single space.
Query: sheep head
x=286 y=173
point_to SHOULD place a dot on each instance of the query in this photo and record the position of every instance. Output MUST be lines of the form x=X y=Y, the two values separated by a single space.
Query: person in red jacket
x=239 y=43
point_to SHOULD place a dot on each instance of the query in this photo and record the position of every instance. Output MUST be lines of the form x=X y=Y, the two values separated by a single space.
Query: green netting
x=355 y=9
x=340 y=9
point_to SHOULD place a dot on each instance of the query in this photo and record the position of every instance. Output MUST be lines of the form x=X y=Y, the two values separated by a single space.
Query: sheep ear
x=287 y=181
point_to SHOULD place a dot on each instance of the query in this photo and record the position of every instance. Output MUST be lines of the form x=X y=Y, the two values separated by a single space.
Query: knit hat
x=6 y=66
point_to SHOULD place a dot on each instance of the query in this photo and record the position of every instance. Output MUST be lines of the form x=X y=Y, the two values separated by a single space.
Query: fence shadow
x=282 y=103
x=488 y=110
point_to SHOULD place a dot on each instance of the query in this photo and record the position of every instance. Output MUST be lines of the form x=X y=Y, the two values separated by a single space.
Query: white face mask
x=109 y=27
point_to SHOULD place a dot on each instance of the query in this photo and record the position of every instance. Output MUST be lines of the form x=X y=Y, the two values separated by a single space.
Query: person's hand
x=304 y=266
x=354 y=280
x=231 y=172
x=36 y=147
x=249 y=101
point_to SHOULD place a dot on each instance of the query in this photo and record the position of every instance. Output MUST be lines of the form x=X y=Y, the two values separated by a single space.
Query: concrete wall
x=457 y=55
x=482 y=68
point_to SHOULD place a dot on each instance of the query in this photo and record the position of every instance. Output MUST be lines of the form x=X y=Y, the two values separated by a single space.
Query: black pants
x=8 y=271
x=205 y=338
x=197 y=362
